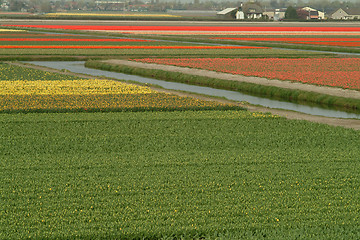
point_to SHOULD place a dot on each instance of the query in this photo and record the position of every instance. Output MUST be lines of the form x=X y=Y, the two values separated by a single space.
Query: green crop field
x=187 y=174
x=10 y=72
x=103 y=159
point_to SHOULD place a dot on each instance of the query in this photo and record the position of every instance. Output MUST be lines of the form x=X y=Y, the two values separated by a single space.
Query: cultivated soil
x=347 y=123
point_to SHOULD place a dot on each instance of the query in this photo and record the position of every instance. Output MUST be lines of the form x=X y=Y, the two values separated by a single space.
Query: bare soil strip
x=347 y=123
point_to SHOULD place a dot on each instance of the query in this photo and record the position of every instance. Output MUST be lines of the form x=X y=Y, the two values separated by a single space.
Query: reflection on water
x=78 y=67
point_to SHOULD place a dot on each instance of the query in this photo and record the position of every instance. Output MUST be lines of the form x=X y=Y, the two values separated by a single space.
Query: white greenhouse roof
x=226 y=11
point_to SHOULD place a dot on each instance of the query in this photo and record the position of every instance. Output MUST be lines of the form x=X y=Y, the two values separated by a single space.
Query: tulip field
x=194 y=29
x=15 y=44
x=352 y=41
x=129 y=43
x=63 y=94
x=347 y=37
x=95 y=158
x=336 y=72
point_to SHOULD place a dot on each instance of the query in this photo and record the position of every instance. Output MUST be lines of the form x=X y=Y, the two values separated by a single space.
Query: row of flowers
x=340 y=44
x=337 y=72
x=192 y=28
x=133 y=47
x=232 y=33
x=27 y=34
x=103 y=103
x=292 y=39
x=83 y=86
x=74 y=40
x=327 y=41
x=10 y=30
x=91 y=95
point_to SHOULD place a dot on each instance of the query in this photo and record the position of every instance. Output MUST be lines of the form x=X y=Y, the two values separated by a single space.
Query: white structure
x=275 y=14
x=346 y=14
x=321 y=15
x=227 y=13
x=249 y=10
x=240 y=15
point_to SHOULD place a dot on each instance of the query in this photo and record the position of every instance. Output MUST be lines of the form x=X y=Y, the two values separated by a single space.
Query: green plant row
x=49 y=58
x=10 y=72
x=176 y=175
x=111 y=53
x=304 y=97
x=124 y=109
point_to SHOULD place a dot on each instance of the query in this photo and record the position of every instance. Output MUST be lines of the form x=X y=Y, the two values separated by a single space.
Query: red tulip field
x=336 y=72
x=326 y=41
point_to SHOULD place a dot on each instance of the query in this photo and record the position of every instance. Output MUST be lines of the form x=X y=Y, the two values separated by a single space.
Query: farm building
x=308 y=13
x=252 y=10
x=227 y=13
x=249 y=10
x=275 y=14
x=345 y=13
x=108 y=5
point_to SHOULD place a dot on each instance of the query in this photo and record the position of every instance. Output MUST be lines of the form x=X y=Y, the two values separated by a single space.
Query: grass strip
x=298 y=96
x=123 y=109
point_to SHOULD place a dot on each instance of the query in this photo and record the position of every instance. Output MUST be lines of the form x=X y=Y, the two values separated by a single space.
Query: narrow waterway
x=78 y=67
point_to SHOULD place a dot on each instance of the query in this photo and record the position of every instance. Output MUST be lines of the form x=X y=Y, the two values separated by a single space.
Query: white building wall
x=240 y=15
x=339 y=14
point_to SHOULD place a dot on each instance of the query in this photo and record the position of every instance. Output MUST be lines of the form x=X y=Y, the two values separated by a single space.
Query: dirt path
x=347 y=123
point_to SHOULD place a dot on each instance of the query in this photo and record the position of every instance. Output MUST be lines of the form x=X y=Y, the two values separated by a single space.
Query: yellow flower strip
x=160 y=101
x=90 y=95
x=70 y=87
x=11 y=30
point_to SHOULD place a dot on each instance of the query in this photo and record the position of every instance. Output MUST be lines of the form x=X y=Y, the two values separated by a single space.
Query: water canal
x=78 y=67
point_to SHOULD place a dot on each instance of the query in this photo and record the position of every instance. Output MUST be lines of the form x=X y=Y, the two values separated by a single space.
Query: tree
x=291 y=13
x=16 y=5
x=45 y=7
x=274 y=4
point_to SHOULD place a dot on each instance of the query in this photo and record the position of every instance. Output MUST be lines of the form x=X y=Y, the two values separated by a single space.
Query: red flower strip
x=192 y=28
x=295 y=39
x=338 y=72
x=341 y=44
x=138 y=47
x=34 y=34
x=75 y=39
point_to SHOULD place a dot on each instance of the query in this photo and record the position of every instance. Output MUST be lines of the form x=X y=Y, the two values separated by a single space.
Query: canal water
x=78 y=67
